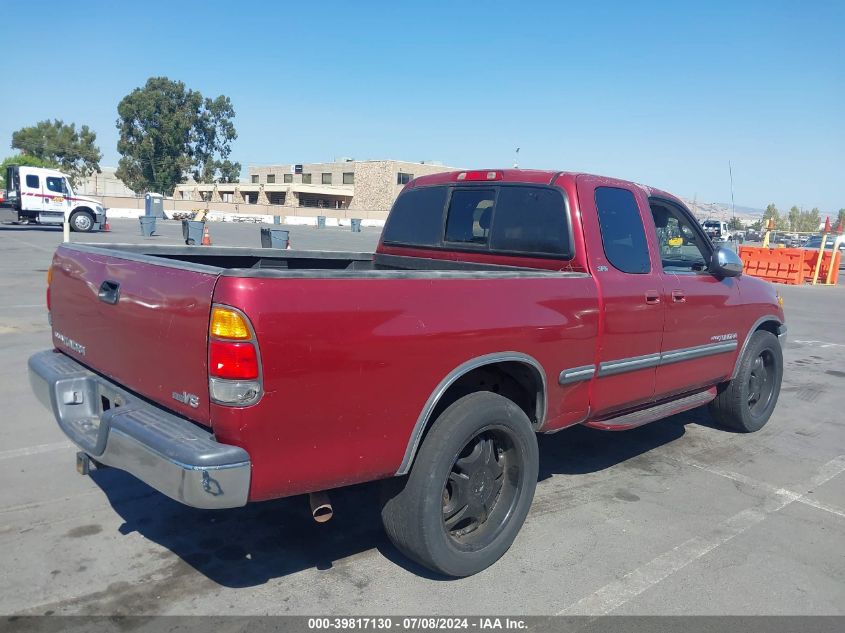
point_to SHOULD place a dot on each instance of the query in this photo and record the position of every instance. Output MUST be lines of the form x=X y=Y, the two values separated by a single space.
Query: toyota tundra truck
x=498 y=304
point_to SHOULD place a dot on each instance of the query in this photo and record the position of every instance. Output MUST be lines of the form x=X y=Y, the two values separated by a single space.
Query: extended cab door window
x=622 y=231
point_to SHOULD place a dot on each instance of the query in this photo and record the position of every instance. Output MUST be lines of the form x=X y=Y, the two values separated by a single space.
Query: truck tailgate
x=143 y=324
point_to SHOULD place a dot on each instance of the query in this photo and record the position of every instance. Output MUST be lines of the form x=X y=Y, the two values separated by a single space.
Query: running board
x=657 y=412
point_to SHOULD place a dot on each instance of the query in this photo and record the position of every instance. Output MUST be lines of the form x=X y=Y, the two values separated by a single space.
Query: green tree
x=794 y=218
x=73 y=151
x=809 y=221
x=841 y=219
x=735 y=224
x=22 y=160
x=771 y=213
x=168 y=131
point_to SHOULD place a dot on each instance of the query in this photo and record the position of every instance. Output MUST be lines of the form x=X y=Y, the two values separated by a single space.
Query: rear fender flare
x=454 y=375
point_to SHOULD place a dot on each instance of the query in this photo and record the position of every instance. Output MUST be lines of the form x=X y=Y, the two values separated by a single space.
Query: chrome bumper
x=169 y=453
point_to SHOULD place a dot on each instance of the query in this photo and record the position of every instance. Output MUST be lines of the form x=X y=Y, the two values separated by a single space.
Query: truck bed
x=263 y=262
x=353 y=344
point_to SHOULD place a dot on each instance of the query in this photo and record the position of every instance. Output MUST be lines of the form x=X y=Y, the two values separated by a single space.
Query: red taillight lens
x=49 y=281
x=234 y=361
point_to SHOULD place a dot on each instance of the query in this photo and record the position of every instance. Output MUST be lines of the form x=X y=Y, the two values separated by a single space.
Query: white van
x=44 y=196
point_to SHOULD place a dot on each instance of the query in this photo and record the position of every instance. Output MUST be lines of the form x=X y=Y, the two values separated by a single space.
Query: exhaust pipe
x=321 y=506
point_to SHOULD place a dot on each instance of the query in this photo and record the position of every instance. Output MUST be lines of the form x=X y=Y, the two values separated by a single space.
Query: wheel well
x=85 y=209
x=518 y=381
x=769 y=326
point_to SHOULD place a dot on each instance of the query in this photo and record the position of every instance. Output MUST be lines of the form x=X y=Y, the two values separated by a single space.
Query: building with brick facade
x=370 y=185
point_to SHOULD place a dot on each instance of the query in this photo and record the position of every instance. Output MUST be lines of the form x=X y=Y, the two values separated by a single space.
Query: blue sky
x=660 y=93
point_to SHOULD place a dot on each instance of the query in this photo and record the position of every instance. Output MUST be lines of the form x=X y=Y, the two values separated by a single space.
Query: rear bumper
x=167 y=452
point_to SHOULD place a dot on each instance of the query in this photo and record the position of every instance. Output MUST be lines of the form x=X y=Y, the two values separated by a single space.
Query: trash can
x=321 y=221
x=192 y=231
x=148 y=225
x=356 y=225
x=275 y=238
x=154 y=205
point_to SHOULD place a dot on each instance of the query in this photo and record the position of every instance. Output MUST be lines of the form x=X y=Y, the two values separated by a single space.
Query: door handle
x=109 y=292
x=652 y=297
x=678 y=296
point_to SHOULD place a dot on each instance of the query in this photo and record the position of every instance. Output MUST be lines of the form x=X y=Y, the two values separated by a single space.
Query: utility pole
x=733 y=208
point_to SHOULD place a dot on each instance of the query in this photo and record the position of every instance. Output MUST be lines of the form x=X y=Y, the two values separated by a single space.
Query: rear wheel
x=746 y=402
x=82 y=221
x=470 y=487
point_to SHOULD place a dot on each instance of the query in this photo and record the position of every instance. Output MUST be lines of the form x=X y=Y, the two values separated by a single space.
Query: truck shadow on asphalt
x=246 y=547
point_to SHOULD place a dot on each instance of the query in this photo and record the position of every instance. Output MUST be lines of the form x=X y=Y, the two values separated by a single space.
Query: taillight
x=235 y=361
x=49 y=281
x=234 y=367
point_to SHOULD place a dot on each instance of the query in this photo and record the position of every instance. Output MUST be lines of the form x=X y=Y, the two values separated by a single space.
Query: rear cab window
x=32 y=181
x=503 y=219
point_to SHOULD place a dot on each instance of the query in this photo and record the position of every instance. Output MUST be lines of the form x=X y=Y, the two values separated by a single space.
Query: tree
x=735 y=224
x=23 y=160
x=772 y=213
x=168 y=131
x=794 y=218
x=841 y=219
x=809 y=221
x=73 y=152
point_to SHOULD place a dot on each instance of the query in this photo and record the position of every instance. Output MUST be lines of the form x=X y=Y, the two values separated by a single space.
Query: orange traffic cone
x=107 y=227
x=206 y=238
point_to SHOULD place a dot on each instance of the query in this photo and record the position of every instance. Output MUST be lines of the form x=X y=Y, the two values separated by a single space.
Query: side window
x=470 y=214
x=681 y=247
x=530 y=220
x=416 y=218
x=55 y=184
x=622 y=231
x=32 y=181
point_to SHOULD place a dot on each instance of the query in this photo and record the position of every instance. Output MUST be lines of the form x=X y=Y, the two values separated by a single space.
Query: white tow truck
x=44 y=196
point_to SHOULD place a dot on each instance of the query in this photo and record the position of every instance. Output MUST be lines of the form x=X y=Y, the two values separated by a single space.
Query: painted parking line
x=619 y=592
x=34 y=450
x=837 y=465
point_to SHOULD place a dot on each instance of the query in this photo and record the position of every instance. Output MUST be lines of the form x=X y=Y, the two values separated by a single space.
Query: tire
x=745 y=403
x=82 y=222
x=480 y=450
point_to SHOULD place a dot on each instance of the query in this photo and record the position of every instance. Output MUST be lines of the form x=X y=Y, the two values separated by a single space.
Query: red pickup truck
x=498 y=304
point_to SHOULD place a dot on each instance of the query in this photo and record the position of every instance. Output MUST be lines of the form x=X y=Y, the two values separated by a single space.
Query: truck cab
x=45 y=196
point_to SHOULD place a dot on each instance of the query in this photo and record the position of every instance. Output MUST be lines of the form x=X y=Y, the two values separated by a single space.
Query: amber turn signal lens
x=228 y=324
x=49 y=275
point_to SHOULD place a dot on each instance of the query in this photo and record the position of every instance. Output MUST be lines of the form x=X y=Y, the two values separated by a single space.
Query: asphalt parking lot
x=677 y=517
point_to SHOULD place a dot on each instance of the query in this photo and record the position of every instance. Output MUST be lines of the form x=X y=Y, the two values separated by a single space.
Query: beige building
x=368 y=185
x=106 y=183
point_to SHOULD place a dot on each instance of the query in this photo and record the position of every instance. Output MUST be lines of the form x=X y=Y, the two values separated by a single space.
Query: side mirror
x=726 y=263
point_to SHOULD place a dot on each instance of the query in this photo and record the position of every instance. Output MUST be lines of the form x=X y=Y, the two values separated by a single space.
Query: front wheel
x=470 y=487
x=746 y=403
x=82 y=221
